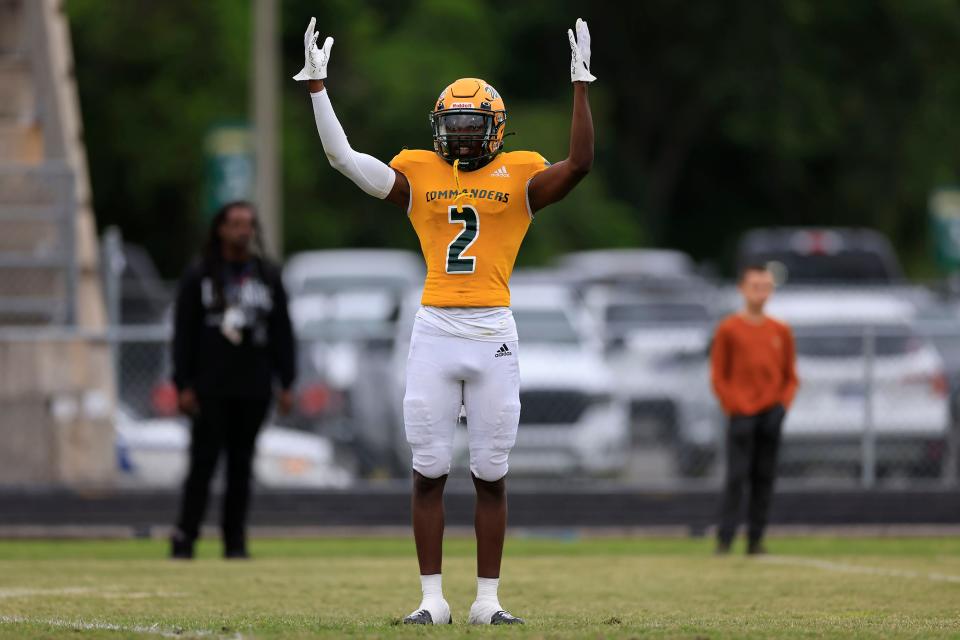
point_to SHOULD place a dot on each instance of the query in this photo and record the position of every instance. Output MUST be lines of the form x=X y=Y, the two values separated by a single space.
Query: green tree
x=711 y=117
x=152 y=77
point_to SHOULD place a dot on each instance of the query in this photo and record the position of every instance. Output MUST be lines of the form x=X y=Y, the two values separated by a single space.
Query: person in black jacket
x=232 y=341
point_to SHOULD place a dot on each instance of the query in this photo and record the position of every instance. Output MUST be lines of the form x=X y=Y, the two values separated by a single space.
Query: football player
x=471 y=204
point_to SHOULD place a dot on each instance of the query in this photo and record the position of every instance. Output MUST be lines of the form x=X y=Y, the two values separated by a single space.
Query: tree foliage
x=711 y=117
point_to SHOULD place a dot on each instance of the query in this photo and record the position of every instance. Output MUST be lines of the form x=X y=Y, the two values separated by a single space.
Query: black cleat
x=502 y=617
x=421 y=616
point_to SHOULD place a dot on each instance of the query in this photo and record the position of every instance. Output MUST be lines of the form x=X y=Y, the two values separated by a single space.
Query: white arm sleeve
x=370 y=174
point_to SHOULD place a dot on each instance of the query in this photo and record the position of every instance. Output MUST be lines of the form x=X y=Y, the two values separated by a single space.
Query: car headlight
x=295 y=465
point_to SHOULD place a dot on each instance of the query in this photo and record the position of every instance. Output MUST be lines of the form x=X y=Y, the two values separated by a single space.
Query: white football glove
x=580 y=53
x=316 y=59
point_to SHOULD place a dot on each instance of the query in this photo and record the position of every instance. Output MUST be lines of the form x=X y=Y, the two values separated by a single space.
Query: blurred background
x=818 y=137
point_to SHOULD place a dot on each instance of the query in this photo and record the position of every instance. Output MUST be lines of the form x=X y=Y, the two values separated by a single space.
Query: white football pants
x=445 y=371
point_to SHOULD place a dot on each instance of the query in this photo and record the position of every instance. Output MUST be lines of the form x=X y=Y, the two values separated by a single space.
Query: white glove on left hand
x=316 y=59
x=580 y=52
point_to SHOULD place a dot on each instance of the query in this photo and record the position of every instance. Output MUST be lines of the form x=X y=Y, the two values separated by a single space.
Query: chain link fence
x=876 y=407
x=615 y=386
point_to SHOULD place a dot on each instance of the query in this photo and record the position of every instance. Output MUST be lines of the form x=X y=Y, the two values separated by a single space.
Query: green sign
x=229 y=166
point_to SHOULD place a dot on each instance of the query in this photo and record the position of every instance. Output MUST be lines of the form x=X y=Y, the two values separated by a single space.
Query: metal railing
x=877 y=405
x=868 y=419
x=38 y=246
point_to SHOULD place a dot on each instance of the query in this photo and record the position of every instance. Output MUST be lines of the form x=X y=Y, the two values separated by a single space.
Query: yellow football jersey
x=469 y=253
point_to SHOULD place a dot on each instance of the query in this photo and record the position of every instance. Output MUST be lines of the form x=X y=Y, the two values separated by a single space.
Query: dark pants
x=224 y=424
x=752 y=444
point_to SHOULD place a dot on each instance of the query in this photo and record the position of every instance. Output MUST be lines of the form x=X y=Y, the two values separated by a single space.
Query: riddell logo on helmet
x=461 y=105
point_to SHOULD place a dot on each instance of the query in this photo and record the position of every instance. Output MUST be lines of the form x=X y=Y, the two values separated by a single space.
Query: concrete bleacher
x=56 y=377
x=38 y=211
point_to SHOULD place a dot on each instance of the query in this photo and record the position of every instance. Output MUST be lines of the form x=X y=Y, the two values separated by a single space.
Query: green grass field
x=593 y=588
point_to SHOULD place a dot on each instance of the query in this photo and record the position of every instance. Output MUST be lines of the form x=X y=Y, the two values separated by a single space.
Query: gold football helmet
x=468 y=123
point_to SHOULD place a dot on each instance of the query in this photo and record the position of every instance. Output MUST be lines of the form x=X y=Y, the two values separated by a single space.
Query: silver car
x=154 y=453
x=864 y=372
x=656 y=346
x=345 y=304
x=337 y=270
x=571 y=420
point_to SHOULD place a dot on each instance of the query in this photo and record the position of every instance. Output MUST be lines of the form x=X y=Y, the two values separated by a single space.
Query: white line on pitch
x=841 y=567
x=104 y=626
x=63 y=591
x=68 y=591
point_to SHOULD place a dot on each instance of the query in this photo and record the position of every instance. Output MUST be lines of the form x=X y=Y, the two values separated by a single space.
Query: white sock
x=487 y=590
x=432 y=587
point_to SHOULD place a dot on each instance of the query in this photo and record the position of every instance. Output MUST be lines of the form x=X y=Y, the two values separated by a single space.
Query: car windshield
x=656 y=313
x=346 y=314
x=544 y=326
x=844 y=266
x=848 y=341
x=352 y=283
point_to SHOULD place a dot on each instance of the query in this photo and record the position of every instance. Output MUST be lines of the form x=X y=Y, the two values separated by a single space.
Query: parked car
x=940 y=323
x=334 y=332
x=153 y=453
x=344 y=306
x=338 y=270
x=899 y=393
x=571 y=420
x=661 y=268
x=826 y=255
x=656 y=346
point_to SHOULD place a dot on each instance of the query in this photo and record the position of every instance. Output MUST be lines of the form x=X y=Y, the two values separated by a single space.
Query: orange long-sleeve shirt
x=753 y=365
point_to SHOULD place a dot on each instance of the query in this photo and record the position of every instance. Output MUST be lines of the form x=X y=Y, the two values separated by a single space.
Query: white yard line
x=104 y=626
x=88 y=591
x=139 y=595
x=841 y=567
x=64 y=591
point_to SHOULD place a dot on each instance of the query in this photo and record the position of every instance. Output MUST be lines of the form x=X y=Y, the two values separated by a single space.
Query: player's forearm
x=368 y=173
x=314 y=86
x=581 y=131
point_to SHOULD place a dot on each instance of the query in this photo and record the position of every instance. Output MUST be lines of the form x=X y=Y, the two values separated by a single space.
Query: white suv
x=571 y=422
x=901 y=393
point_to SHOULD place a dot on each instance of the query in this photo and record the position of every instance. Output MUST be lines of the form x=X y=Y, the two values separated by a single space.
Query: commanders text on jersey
x=480 y=194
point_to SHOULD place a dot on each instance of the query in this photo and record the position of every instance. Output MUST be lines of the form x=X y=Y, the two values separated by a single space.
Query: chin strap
x=461 y=194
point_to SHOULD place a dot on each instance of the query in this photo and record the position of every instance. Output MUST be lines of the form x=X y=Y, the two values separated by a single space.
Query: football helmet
x=468 y=123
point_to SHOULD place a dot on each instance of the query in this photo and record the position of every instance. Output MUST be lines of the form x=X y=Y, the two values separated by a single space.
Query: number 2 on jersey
x=468 y=217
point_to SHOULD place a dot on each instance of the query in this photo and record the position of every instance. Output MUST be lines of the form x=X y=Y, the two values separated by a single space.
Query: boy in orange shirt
x=753 y=375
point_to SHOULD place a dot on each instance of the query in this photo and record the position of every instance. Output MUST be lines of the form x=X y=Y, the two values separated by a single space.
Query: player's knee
x=425 y=488
x=432 y=462
x=489 y=465
x=487 y=490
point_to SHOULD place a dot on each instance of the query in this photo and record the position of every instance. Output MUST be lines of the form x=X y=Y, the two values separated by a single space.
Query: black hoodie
x=239 y=357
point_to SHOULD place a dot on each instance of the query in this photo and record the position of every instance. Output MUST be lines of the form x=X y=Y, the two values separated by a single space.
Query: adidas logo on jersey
x=503 y=351
x=501 y=172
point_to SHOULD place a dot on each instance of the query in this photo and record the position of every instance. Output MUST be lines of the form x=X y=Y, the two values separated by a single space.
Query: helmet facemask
x=467 y=135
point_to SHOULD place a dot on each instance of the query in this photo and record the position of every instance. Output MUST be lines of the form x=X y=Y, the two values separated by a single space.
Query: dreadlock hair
x=213 y=263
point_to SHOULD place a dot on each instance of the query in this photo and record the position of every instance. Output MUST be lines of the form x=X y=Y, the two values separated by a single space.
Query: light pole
x=265 y=97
